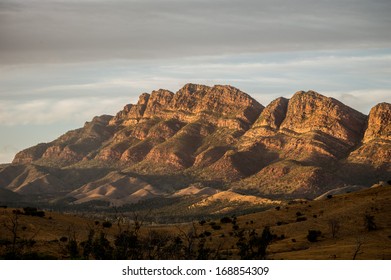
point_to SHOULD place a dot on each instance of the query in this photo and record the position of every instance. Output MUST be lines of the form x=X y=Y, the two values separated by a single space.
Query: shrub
x=73 y=249
x=32 y=211
x=313 y=235
x=107 y=224
x=226 y=220
x=301 y=219
x=40 y=214
x=64 y=239
x=17 y=212
x=216 y=227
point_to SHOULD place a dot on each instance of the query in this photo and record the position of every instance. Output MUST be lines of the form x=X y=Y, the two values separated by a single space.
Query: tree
x=369 y=221
x=253 y=246
x=313 y=235
x=357 y=249
x=334 y=226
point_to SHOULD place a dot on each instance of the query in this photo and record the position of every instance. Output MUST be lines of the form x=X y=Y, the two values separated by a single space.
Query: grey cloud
x=61 y=31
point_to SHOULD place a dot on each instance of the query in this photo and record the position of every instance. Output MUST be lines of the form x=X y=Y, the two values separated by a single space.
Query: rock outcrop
x=379 y=123
x=274 y=114
x=310 y=111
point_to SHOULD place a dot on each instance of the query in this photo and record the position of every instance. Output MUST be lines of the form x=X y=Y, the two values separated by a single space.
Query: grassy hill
x=349 y=226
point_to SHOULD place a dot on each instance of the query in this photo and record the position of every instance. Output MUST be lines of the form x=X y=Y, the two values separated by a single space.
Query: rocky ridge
x=219 y=137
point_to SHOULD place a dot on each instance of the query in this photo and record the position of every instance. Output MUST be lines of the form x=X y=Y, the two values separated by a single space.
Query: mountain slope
x=216 y=137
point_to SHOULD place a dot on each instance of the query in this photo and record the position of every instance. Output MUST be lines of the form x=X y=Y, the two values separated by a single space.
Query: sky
x=64 y=62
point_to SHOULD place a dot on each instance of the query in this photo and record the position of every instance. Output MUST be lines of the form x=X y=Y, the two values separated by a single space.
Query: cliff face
x=274 y=114
x=379 y=123
x=293 y=148
x=222 y=105
x=376 y=148
x=310 y=111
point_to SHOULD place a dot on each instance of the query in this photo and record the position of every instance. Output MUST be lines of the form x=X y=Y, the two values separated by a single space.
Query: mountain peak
x=311 y=111
x=379 y=123
x=192 y=102
x=192 y=88
x=274 y=113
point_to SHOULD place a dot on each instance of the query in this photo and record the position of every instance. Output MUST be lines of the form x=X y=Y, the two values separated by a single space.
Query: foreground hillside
x=349 y=226
x=206 y=141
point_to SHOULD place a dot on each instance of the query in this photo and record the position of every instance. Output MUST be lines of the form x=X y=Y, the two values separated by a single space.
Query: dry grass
x=351 y=240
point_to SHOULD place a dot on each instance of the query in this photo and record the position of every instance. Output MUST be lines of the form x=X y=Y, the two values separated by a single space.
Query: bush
x=313 y=235
x=40 y=214
x=369 y=221
x=216 y=227
x=226 y=220
x=301 y=219
x=107 y=224
x=72 y=248
x=64 y=239
x=32 y=211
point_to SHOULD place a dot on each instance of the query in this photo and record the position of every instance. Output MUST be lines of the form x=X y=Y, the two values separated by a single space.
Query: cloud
x=364 y=99
x=63 y=31
x=38 y=88
x=7 y=153
x=50 y=111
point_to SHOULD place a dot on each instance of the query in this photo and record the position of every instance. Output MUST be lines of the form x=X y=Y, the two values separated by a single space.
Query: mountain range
x=207 y=145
